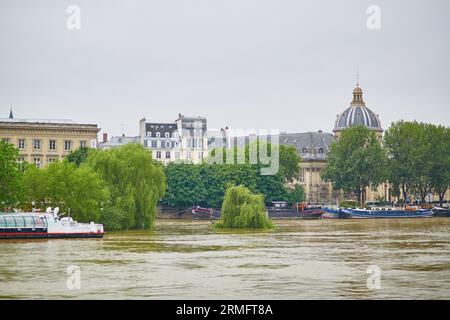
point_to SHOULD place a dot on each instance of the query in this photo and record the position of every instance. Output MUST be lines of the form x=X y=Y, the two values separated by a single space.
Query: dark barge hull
x=214 y=214
x=40 y=234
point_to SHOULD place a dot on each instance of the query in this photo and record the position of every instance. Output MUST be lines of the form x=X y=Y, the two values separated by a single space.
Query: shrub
x=241 y=209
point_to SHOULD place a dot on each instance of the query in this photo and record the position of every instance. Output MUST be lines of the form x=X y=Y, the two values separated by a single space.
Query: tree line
x=205 y=184
x=413 y=157
x=119 y=188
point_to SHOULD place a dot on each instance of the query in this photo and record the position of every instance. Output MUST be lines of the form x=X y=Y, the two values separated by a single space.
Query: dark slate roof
x=309 y=145
x=162 y=128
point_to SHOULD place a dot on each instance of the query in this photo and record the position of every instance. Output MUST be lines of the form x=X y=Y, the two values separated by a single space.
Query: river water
x=322 y=259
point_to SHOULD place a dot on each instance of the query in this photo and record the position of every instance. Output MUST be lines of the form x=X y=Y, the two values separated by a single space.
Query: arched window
x=175 y=134
x=149 y=134
x=167 y=134
x=320 y=150
x=305 y=150
x=158 y=134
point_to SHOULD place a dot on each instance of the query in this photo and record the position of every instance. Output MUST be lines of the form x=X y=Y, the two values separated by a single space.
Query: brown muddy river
x=323 y=259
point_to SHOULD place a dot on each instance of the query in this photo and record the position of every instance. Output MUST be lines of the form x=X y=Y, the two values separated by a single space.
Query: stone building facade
x=184 y=139
x=44 y=141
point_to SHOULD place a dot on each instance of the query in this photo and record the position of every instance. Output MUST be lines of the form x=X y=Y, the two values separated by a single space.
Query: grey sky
x=284 y=64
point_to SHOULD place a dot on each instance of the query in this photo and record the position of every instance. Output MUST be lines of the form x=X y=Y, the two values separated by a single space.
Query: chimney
x=105 y=137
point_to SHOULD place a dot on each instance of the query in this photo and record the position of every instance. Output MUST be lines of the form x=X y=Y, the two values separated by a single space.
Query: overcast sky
x=284 y=64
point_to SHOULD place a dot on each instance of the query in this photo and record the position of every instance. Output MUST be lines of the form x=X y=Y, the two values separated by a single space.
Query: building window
x=21 y=162
x=167 y=154
x=302 y=175
x=52 y=145
x=158 y=154
x=37 y=162
x=167 y=144
x=200 y=155
x=177 y=154
x=175 y=134
x=188 y=154
x=83 y=144
x=21 y=144
x=177 y=144
x=320 y=150
x=51 y=160
x=158 y=134
x=167 y=135
x=67 y=145
x=36 y=144
x=149 y=134
x=304 y=150
x=158 y=144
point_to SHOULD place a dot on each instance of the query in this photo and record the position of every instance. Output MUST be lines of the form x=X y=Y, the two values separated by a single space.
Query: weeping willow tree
x=136 y=183
x=243 y=209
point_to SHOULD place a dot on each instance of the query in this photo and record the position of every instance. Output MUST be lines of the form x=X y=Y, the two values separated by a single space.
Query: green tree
x=136 y=183
x=439 y=139
x=64 y=185
x=185 y=186
x=79 y=155
x=10 y=175
x=417 y=154
x=218 y=177
x=296 y=195
x=355 y=161
x=35 y=187
x=243 y=209
x=289 y=162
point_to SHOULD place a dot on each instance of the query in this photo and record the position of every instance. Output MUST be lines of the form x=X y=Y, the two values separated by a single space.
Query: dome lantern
x=357 y=114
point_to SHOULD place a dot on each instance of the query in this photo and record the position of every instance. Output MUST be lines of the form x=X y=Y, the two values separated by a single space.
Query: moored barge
x=385 y=213
x=44 y=226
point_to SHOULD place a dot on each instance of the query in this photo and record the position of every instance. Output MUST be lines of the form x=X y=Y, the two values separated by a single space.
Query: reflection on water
x=300 y=259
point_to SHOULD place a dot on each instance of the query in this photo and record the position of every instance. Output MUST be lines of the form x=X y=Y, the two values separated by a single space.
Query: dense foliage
x=120 y=187
x=356 y=161
x=243 y=209
x=418 y=159
x=79 y=155
x=10 y=175
x=205 y=184
x=63 y=185
x=136 y=183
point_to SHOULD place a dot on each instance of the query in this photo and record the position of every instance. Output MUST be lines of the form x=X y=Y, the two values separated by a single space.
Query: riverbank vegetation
x=413 y=157
x=205 y=184
x=356 y=161
x=119 y=188
x=241 y=209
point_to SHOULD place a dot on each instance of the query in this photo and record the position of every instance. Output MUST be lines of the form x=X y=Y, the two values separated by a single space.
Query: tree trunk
x=441 y=198
x=358 y=195
x=405 y=194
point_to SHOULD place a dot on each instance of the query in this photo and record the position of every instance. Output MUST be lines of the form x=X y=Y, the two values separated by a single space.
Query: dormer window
x=167 y=135
x=175 y=134
x=149 y=134
x=320 y=150
x=305 y=150
x=158 y=134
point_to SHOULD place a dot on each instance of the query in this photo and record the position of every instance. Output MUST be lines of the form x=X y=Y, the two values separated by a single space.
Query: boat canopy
x=22 y=221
